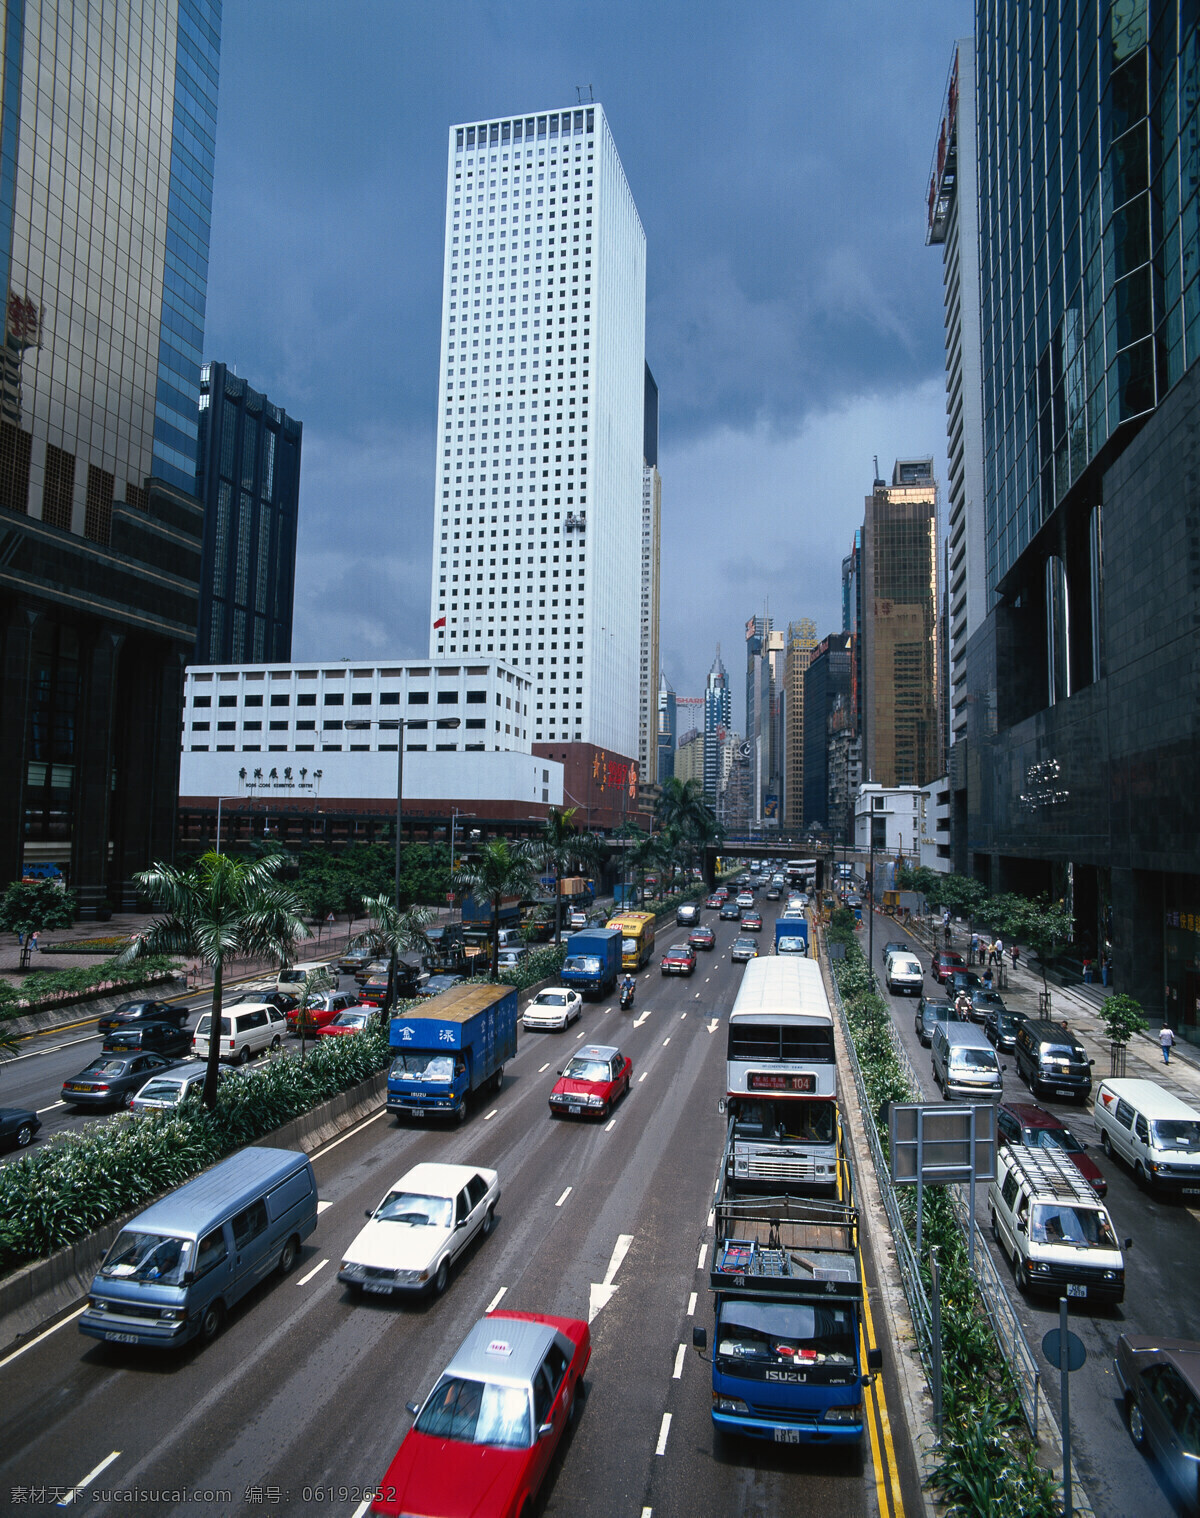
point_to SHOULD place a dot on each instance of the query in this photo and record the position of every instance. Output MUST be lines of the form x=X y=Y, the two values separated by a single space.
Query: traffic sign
x=1052 y=1349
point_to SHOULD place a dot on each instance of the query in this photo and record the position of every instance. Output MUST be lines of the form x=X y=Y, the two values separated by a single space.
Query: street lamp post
x=220 y=799
x=455 y=814
x=395 y=724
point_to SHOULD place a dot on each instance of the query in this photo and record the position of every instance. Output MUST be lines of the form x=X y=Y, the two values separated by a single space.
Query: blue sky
x=778 y=155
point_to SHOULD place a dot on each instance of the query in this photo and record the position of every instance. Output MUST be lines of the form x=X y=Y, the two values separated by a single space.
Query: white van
x=903 y=972
x=965 y=1066
x=292 y=977
x=1054 y=1228
x=1156 y=1134
x=245 y=1032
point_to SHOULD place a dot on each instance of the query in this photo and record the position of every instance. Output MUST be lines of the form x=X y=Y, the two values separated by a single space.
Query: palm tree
x=392 y=931
x=221 y=909
x=499 y=869
x=643 y=853
x=313 y=988
x=682 y=805
x=554 y=849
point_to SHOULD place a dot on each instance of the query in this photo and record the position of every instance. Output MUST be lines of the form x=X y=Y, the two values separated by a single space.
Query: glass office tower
x=107 y=136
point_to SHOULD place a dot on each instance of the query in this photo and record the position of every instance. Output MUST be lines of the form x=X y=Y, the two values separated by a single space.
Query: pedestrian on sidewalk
x=998 y=947
x=33 y=943
x=987 y=978
x=974 y=947
x=1087 y=972
x=1014 y=954
x=1105 y=969
x=1166 y=1039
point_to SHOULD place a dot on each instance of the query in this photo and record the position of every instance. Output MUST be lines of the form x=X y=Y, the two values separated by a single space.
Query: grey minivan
x=173 y=1272
x=965 y=1066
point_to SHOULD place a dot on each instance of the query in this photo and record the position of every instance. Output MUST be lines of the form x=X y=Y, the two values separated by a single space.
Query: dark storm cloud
x=778 y=157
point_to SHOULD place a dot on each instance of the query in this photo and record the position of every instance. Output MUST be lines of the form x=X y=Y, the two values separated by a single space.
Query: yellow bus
x=637 y=938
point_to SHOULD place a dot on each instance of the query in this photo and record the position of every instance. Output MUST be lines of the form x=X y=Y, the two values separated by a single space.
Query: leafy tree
x=498 y=870
x=1043 y=925
x=313 y=988
x=31 y=906
x=221 y=909
x=553 y=849
x=393 y=932
x=1122 y=1018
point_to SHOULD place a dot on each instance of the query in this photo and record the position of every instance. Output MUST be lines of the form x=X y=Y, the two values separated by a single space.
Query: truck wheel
x=498 y=1079
x=460 y=1112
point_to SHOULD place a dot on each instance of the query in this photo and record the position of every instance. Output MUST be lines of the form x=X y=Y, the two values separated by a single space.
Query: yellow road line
x=891 y=1499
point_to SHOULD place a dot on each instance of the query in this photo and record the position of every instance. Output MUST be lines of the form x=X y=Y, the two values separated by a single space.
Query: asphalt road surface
x=298 y=1406
x=1162 y=1285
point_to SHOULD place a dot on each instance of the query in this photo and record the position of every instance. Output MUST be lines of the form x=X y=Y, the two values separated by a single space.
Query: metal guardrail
x=995 y=1298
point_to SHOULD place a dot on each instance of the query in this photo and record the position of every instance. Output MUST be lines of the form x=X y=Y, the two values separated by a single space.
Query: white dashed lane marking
x=703 y=1257
x=488 y=1116
x=564 y=1197
x=691 y=1312
x=321 y=1207
x=643 y=1076
x=72 y=1492
x=544 y=1068
x=496 y=1300
x=680 y=1354
x=661 y=1447
x=304 y=1280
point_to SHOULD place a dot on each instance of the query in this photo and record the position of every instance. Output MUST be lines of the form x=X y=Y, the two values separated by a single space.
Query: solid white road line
x=488 y=1116
x=363 y=1508
x=691 y=1312
x=304 y=1280
x=496 y=1300
x=711 y=1211
x=74 y=1491
x=544 y=1068
x=50 y=1108
x=366 y=1123
x=680 y=1355
x=45 y=1334
x=564 y=1197
x=612 y=1123
x=703 y=1256
x=661 y=1447
x=581 y=1032
x=682 y=1015
x=643 y=1076
x=322 y=1207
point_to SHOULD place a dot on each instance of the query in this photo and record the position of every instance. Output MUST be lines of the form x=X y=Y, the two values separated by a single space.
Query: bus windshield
x=796 y=1121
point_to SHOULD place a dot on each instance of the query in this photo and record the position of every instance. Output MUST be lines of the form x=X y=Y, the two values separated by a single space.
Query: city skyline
x=781 y=375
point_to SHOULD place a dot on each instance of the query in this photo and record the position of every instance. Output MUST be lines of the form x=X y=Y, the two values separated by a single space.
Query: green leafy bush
x=537 y=965
x=112 y=944
x=45 y=987
x=80 y=1181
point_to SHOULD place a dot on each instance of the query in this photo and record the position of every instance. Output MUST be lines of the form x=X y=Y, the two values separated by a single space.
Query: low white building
x=936 y=853
x=328 y=736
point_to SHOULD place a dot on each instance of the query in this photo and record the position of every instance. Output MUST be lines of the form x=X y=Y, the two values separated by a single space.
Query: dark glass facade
x=828 y=679
x=249 y=479
x=1084 y=679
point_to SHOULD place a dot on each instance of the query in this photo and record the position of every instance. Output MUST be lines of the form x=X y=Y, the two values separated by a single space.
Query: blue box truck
x=791 y=935
x=593 y=961
x=450 y=1047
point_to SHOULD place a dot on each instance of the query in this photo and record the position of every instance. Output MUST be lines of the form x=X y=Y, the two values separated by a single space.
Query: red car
x=593 y=1082
x=321 y=1013
x=945 y=962
x=714 y=901
x=350 y=1020
x=485 y=1437
x=702 y=938
x=680 y=959
x=752 y=922
x=1033 y=1126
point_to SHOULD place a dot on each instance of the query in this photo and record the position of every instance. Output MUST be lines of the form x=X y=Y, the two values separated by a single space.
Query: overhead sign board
x=939 y=1144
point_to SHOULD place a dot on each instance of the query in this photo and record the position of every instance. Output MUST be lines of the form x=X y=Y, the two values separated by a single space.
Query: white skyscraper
x=538 y=503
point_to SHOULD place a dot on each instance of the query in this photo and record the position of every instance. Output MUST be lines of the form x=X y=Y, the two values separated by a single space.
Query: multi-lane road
x=1162 y=1291
x=299 y=1405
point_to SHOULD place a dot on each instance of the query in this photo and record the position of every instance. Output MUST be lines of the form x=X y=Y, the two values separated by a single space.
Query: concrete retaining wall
x=38 y=1293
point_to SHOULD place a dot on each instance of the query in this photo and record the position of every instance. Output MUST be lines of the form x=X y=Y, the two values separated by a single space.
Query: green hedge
x=537 y=965
x=988 y=1463
x=47 y=988
x=80 y=1181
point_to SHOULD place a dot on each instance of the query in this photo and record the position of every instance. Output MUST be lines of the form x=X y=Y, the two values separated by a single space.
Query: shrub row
x=80 y=1181
x=112 y=944
x=537 y=965
x=988 y=1462
x=44 y=988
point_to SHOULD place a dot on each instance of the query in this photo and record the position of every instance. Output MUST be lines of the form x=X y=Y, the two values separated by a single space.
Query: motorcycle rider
x=627 y=986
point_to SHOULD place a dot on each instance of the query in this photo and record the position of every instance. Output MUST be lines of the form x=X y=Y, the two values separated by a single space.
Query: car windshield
x=774 y=1334
x=743 y=943
x=1060 y=1051
x=160 y=1091
x=938 y=1014
x=147 y=1257
x=629 y=946
x=429 y=1067
x=477 y=1412
x=789 y=946
x=550 y=999
x=585 y=964
x=973 y=1059
x=587 y=1070
x=1059 y=1223
x=1175 y=1133
x=349 y=1020
x=1053 y=1138
x=414 y=1209
x=202 y=1026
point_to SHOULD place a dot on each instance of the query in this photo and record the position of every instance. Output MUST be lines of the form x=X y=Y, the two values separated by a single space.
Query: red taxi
x=592 y=1083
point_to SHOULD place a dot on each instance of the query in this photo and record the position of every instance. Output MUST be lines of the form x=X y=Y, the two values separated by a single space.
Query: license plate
x=787 y=1436
x=417 y=1111
x=1067 y=1092
x=121 y=1338
x=1190 y=1190
x=1076 y=1291
x=381 y=1291
x=575 y=1107
x=79 y=1088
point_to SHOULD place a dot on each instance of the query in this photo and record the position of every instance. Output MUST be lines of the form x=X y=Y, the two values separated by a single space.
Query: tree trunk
x=495 y=968
x=214 y=1040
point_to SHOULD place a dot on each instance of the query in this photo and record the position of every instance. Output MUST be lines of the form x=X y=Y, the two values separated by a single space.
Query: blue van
x=173 y=1272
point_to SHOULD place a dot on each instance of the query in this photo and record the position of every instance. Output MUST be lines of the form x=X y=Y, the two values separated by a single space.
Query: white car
x=420 y=1228
x=555 y=1007
x=577 y=918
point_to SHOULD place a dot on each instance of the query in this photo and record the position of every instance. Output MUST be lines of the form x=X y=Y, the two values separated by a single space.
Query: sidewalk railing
x=996 y=1301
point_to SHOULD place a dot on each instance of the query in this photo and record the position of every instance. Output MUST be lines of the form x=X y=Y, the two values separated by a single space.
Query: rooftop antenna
x=876 y=466
x=579 y=100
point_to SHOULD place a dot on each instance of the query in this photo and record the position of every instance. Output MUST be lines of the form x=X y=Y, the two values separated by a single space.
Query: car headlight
x=1038 y=1267
x=410 y=1277
x=172 y=1315
x=728 y=1404
x=849 y=1414
x=97 y=1304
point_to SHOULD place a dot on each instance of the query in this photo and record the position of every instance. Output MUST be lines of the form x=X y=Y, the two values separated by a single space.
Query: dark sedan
x=436 y=984
x=896 y=946
x=142 y=1012
x=730 y=911
x=280 y=1000
x=1001 y=1026
x=929 y=1015
x=17 y=1127
x=149 y=1038
x=702 y=938
x=680 y=959
x=1160 y=1379
x=109 y=1079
